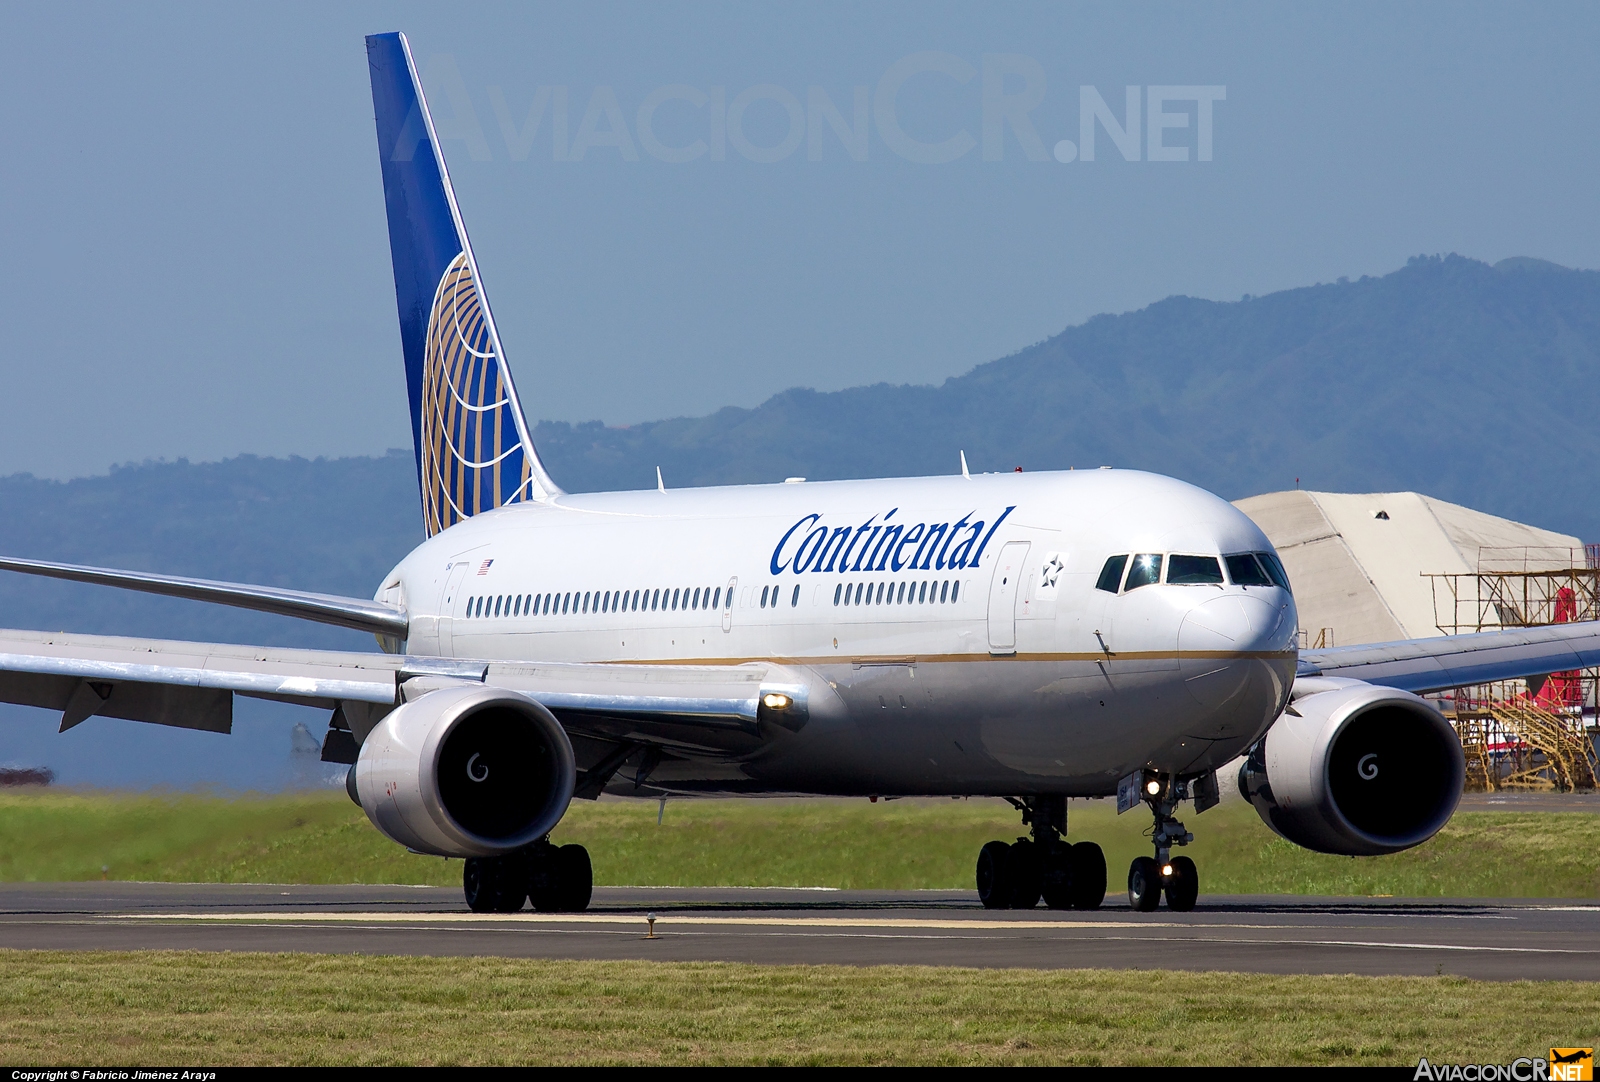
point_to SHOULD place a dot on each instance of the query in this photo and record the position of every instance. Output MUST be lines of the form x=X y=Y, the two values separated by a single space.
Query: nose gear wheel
x=1175 y=877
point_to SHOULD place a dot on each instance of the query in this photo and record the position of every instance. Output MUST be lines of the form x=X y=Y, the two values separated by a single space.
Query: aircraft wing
x=1450 y=661
x=351 y=612
x=191 y=685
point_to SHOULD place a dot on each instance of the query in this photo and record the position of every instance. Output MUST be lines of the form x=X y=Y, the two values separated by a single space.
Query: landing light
x=773 y=700
x=1152 y=787
x=1166 y=869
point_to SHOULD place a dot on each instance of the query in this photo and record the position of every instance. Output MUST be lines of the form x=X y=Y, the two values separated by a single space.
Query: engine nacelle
x=466 y=772
x=1363 y=770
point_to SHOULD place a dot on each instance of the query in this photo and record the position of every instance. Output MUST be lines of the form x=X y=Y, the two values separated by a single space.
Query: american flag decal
x=483 y=568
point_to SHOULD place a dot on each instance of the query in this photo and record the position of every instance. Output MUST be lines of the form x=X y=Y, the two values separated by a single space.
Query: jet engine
x=466 y=772
x=1363 y=770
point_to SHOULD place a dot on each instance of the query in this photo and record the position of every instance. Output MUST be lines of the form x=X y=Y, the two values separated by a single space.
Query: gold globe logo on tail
x=472 y=456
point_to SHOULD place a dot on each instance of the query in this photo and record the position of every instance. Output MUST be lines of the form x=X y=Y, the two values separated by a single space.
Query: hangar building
x=1359 y=562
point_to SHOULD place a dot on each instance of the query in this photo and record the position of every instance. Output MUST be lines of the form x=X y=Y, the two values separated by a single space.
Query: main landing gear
x=1017 y=875
x=557 y=879
x=1176 y=877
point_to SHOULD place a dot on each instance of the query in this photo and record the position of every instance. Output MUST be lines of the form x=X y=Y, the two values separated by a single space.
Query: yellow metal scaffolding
x=1536 y=733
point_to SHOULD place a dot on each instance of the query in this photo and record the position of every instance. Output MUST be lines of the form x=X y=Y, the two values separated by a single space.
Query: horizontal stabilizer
x=371 y=616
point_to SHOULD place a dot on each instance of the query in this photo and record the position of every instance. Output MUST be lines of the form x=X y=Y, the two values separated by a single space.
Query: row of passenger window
x=869 y=593
x=701 y=598
x=1145 y=569
x=907 y=593
x=593 y=601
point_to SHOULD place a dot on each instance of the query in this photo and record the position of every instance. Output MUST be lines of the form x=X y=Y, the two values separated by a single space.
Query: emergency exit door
x=453 y=604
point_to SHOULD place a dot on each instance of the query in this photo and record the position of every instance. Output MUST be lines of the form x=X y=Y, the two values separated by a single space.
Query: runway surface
x=1489 y=939
x=1530 y=802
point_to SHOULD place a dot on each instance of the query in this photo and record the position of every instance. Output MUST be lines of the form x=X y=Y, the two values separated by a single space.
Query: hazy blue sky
x=195 y=259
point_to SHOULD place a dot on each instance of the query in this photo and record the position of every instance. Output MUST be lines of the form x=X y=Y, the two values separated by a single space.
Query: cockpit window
x=1111 y=574
x=1146 y=569
x=1269 y=560
x=1244 y=571
x=1194 y=570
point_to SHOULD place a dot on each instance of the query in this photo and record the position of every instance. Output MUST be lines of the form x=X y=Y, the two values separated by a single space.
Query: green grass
x=322 y=838
x=81 y=1009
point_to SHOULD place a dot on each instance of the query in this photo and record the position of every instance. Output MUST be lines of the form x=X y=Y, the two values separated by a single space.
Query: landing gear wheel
x=577 y=878
x=493 y=884
x=994 y=876
x=1144 y=884
x=480 y=889
x=1088 y=876
x=560 y=880
x=1026 y=874
x=1183 y=885
x=1058 y=876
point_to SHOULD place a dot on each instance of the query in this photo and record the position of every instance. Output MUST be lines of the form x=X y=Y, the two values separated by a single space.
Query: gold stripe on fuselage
x=939 y=659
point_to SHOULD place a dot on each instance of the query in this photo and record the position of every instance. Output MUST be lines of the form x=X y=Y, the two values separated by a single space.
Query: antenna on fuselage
x=964 y=472
x=661 y=486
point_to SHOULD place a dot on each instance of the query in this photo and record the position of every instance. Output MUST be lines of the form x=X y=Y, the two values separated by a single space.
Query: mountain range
x=1473 y=383
x=1469 y=382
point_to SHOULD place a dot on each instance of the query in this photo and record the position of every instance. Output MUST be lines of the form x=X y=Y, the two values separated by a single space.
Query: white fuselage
x=949 y=629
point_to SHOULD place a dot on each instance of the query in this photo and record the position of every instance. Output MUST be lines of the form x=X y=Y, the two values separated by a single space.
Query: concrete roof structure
x=1357 y=561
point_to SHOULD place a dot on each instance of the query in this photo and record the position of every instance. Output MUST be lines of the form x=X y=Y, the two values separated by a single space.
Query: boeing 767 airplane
x=1039 y=636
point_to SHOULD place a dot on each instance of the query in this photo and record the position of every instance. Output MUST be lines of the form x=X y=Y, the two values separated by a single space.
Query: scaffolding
x=1323 y=640
x=1513 y=741
x=1537 y=733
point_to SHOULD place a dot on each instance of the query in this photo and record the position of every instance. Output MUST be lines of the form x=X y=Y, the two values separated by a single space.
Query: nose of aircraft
x=1224 y=648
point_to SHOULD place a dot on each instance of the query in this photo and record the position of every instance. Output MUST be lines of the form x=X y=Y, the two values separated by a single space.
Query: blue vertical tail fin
x=471 y=438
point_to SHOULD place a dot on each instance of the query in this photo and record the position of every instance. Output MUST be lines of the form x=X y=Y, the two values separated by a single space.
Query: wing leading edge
x=692 y=709
x=1451 y=661
x=373 y=617
x=705 y=709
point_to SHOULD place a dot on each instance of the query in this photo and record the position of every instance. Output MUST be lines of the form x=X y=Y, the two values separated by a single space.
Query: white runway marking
x=882 y=928
x=661 y=921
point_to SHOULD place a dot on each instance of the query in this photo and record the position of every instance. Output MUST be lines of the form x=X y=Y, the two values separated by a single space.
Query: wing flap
x=1451 y=661
x=261 y=684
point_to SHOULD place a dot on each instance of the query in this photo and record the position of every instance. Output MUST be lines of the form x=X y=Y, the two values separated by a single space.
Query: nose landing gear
x=1176 y=877
x=557 y=879
x=1066 y=876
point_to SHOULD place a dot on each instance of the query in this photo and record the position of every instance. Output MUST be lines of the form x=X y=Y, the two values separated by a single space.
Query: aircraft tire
x=1058 y=877
x=492 y=885
x=994 y=875
x=1088 y=876
x=544 y=878
x=576 y=878
x=1027 y=874
x=1183 y=886
x=1144 y=884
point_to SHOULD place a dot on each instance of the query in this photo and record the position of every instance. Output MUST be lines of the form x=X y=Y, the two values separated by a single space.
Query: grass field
x=99 y=1008
x=321 y=838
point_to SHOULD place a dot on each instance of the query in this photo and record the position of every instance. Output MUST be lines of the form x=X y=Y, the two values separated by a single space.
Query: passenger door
x=1003 y=590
